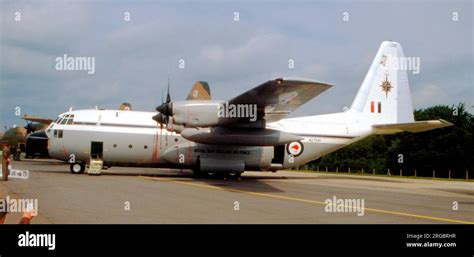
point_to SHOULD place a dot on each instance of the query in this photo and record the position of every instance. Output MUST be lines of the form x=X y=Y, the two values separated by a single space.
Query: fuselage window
x=60 y=133
x=145 y=146
x=55 y=133
x=115 y=145
x=130 y=146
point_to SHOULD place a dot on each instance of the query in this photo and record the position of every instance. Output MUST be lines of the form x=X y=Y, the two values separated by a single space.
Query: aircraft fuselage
x=129 y=138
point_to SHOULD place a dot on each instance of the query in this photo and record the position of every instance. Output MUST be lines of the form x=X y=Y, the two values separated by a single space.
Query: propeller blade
x=168 y=97
x=164 y=109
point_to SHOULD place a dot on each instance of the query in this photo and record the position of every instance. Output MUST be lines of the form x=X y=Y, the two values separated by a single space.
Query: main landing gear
x=230 y=175
x=77 y=168
x=234 y=175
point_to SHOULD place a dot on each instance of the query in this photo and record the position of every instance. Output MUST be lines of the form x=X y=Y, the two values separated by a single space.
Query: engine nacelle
x=238 y=137
x=193 y=114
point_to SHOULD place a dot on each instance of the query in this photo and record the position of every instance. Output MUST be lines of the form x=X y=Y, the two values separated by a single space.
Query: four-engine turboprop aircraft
x=246 y=133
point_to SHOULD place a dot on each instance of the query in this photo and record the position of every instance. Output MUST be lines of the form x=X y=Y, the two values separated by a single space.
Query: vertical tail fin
x=385 y=94
x=200 y=91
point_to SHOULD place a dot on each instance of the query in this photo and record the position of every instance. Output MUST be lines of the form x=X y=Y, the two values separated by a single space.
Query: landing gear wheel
x=77 y=168
x=199 y=174
x=234 y=175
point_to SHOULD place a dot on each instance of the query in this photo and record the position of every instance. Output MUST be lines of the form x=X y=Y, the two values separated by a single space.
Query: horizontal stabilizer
x=414 y=127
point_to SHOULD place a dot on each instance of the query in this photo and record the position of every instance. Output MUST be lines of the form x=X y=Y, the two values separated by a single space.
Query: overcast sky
x=133 y=58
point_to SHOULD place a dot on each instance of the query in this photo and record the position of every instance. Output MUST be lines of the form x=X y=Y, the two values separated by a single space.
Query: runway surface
x=171 y=196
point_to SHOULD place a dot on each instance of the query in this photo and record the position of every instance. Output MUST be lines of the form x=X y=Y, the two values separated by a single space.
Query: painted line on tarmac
x=306 y=200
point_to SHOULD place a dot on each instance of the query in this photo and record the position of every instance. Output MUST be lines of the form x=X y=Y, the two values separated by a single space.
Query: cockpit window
x=67 y=119
x=70 y=119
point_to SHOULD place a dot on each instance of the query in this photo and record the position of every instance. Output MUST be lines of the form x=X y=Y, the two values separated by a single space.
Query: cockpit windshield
x=67 y=119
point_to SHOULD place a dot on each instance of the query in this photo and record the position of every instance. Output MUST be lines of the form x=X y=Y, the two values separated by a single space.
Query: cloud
x=427 y=94
x=134 y=59
x=44 y=25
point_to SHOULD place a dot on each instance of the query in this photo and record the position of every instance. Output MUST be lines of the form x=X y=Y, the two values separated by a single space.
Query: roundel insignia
x=295 y=148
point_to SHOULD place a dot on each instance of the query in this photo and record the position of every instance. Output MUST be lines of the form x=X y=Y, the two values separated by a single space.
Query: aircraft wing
x=414 y=127
x=37 y=119
x=277 y=98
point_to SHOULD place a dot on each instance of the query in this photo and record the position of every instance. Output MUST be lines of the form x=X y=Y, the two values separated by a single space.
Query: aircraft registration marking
x=312 y=139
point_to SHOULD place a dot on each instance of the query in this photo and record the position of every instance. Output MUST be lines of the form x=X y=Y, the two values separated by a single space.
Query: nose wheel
x=16 y=157
x=77 y=168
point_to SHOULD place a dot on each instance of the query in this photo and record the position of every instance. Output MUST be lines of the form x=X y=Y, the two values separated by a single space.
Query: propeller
x=165 y=109
x=29 y=127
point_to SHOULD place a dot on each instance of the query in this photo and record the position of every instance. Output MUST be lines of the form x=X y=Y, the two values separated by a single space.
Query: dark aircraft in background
x=16 y=137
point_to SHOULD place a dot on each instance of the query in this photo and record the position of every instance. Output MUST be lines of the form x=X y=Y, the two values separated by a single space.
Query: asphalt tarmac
x=147 y=195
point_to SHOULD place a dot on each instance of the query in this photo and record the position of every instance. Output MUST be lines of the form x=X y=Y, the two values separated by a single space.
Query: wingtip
x=446 y=123
x=304 y=80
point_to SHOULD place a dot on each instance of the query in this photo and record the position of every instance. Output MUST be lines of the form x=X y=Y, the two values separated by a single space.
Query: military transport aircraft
x=16 y=137
x=248 y=132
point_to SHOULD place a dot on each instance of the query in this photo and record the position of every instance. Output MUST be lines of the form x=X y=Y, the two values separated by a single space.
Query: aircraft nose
x=37 y=144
